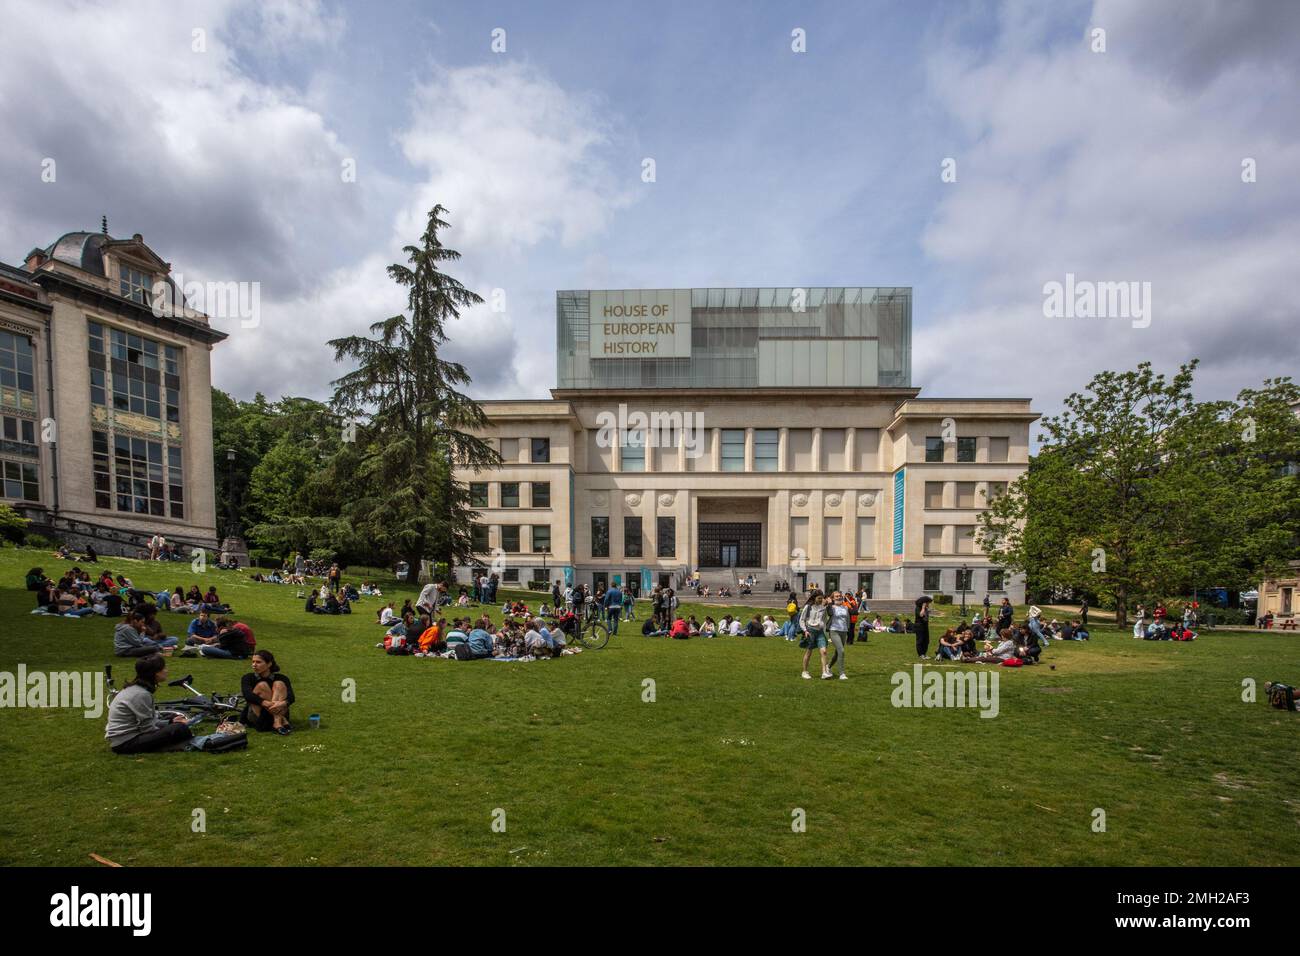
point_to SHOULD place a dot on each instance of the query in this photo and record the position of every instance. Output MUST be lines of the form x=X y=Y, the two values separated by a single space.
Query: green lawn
x=1155 y=734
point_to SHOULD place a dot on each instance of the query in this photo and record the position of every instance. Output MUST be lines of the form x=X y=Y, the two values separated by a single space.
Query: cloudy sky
x=222 y=131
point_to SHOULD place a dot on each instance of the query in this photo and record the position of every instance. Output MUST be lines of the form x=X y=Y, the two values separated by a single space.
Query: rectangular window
x=600 y=537
x=17 y=379
x=175 y=483
x=867 y=582
x=541 y=450
x=866 y=537
x=510 y=449
x=767 y=444
x=733 y=449
x=633 y=458
x=134 y=284
x=478 y=494
x=510 y=575
x=19 y=438
x=541 y=538
x=965 y=494
x=102 y=474
x=833 y=449
x=996 y=489
x=999 y=449
x=138 y=474
x=964 y=578
x=510 y=538
x=799 y=441
x=509 y=494
x=478 y=538
x=139 y=375
x=21 y=481
x=966 y=449
x=832 y=539
x=934 y=494
x=666 y=536
x=541 y=491
x=632 y=536
x=934 y=449
x=965 y=534
x=933 y=580
x=932 y=539
x=997 y=579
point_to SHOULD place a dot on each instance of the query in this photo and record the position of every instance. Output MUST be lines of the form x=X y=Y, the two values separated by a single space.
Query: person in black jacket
x=268 y=695
x=922 y=627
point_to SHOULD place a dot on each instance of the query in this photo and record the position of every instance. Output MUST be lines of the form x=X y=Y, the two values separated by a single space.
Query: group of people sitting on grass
x=326 y=601
x=135 y=727
x=1159 y=628
x=76 y=594
x=525 y=638
x=142 y=633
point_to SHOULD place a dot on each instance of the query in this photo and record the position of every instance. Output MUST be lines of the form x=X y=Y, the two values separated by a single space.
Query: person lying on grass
x=267 y=694
x=133 y=726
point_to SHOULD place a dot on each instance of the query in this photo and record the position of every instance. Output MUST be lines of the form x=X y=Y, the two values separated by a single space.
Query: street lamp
x=965 y=574
x=546 y=576
x=230 y=491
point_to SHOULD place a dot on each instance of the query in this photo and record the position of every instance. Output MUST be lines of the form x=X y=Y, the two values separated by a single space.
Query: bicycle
x=592 y=633
x=194 y=709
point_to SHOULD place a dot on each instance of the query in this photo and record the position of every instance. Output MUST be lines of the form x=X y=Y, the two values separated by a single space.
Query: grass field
x=1154 y=734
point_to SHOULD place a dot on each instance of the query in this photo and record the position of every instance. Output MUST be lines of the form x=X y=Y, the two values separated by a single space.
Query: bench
x=1287 y=625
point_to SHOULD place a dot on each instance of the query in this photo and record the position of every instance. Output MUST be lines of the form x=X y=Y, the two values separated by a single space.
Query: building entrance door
x=728 y=553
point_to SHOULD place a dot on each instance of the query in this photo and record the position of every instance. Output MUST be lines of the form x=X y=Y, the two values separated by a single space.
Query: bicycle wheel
x=594 y=636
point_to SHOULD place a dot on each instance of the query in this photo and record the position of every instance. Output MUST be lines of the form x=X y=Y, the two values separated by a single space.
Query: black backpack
x=223 y=743
x=1281 y=696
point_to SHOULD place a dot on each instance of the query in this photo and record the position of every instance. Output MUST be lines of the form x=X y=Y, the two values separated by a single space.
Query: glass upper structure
x=734 y=338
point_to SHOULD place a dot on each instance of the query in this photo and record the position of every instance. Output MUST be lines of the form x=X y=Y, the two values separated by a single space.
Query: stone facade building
x=772 y=432
x=105 y=396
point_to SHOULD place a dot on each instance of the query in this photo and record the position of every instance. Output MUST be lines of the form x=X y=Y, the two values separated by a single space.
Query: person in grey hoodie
x=129 y=642
x=133 y=726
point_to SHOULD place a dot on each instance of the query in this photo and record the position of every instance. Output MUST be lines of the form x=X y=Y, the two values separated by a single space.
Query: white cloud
x=1110 y=167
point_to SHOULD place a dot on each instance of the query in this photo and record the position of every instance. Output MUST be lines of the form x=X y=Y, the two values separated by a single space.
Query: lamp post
x=233 y=547
x=965 y=574
x=546 y=549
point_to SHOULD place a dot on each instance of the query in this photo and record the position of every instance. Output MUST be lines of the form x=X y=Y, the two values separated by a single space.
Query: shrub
x=942 y=598
x=539 y=586
x=39 y=541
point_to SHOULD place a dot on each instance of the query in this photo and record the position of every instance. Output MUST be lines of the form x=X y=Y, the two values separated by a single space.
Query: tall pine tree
x=418 y=424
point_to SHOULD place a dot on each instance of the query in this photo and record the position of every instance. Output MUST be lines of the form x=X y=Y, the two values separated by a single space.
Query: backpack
x=791 y=608
x=1281 y=696
x=222 y=743
x=1013 y=662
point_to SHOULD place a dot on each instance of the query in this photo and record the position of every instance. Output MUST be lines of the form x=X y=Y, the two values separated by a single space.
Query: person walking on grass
x=841 y=627
x=922 y=626
x=813 y=623
x=613 y=605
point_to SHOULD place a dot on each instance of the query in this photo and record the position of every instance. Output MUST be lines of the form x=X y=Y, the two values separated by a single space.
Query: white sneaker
x=827 y=675
x=806 y=676
x=844 y=677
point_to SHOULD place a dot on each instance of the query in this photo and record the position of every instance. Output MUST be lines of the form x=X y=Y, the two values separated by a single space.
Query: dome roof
x=81 y=249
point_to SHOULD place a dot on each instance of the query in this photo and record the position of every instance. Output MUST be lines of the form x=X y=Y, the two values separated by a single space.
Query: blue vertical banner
x=568 y=576
x=900 y=486
x=646 y=584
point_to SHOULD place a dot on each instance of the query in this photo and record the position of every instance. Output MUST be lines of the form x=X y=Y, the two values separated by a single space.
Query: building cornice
x=58 y=283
